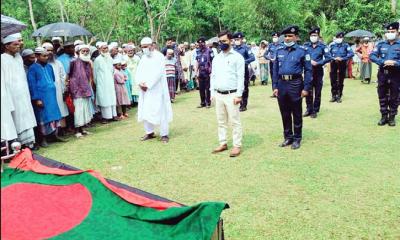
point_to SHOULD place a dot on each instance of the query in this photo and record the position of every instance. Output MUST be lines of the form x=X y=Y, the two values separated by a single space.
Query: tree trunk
x=33 y=20
x=150 y=18
x=61 y=11
x=394 y=6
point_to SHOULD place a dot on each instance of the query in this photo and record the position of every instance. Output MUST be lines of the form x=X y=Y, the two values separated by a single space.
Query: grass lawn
x=343 y=183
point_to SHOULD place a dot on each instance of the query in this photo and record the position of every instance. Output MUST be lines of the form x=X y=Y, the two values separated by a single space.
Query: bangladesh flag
x=43 y=202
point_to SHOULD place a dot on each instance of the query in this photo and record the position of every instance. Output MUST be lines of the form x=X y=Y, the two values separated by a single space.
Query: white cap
x=124 y=45
x=82 y=46
x=116 y=61
x=113 y=45
x=47 y=45
x=27 y=52
x=78 y=42
x=146 y=40
x=102 y=44
x=40 y=50
x=12 y=38
x=56 y=38
x=130 y=46
x=169 y=50
x=123 y=62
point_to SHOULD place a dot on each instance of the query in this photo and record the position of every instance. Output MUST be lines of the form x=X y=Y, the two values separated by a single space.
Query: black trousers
x=245 y=95
x=313 y=100
x=271 y=70
x=388 y=91
x=337 y=75
x=204 y=89
x=290 y=106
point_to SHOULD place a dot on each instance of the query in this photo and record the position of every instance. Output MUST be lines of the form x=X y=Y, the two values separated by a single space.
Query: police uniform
x=204 y=57
x=388 y=77
x=291 y=62
x=338 y=68
x=319 y=53
x=248 y=56
x=270 y=54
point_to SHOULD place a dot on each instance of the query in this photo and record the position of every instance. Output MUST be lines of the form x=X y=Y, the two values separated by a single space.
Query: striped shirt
x=170 y=67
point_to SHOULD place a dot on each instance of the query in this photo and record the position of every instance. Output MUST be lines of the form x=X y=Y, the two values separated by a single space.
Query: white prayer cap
x=102 y=44
x=113 y=45
x=123 y=62
x=192 y=44
x=56 y=39
x=76 y=48
x=83 y=46
x=12 y=38
x=40 y=50
x=78 y=42
x=170 y=50
x=146 y=40
x=130 y=46
x=98 y=43
x=185 y=43
x=116 y=61
x=47 y=45
x=27 y=52
x=124 y=45
x=265 y=42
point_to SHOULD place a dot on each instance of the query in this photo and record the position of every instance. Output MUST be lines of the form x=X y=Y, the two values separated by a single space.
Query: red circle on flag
x=36 y=211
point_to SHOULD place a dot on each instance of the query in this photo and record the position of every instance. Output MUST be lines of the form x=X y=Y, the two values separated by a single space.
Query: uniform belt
x=290 y=77
x=226 y=92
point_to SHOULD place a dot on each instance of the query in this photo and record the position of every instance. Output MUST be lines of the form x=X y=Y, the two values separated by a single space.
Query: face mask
x=338 y=40
x=275 y=39
x=223 y=46
x=85 y=58
x=288 y=44
x=146 y=51
x=237 y=42
x=314 y=39
x=390 y=36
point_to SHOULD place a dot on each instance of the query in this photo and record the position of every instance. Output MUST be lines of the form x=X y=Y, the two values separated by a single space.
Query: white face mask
x=314 y=39
x=275 y=39
x=289 y=44
x=338 y=40
x=237 y=42
x=85 y=58
x=390 y=36
x=146 y=51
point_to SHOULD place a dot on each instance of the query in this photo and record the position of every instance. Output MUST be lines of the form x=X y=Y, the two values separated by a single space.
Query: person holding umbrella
x=363 y=52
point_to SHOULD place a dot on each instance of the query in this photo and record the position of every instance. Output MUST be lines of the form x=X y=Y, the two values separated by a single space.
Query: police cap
x=316 y=30
x=291 y=30
x=392 y=26
x=238 y=35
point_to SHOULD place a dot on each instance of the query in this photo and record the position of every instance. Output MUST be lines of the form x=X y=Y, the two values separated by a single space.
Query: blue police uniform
x=204 y=57
x=248 y=56
x=319 y=53
x=388 y=77
x=291 y=63
x=338 y=68
x=270 y=54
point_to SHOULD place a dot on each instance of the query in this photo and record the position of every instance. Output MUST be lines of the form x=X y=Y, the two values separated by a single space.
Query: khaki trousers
x=228 y=113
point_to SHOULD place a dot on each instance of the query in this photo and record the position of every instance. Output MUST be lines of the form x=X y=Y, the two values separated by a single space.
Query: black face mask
x=223 y=46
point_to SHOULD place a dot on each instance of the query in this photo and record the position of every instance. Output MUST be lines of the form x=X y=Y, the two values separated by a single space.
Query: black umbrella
x=10 y=26
x=61 y=29
x=359 y=33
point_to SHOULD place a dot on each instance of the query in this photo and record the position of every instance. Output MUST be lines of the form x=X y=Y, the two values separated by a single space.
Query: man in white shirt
x=226 y=86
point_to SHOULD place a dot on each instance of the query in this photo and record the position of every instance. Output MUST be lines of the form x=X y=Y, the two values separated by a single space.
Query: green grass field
x=344 y=182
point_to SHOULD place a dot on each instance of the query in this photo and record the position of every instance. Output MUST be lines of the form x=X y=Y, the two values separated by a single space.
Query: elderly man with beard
x=104 y=80
x=79 y=79
x=13 y=78
x=154 y=102
x=59 y=74
x=44 y=97
x=132 y=61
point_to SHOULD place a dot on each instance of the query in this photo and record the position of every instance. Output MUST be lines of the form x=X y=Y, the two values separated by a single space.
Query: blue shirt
x=271 y=51
x=342 y=50
x=319 y=52
x=290 y=61
x=65 y=59
x=246 y=52
x=386 y=51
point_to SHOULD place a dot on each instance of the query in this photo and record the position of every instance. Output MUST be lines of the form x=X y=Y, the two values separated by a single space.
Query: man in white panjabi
x=104 y=80
x=154 y=107
x=226 y=87
x=16 y=84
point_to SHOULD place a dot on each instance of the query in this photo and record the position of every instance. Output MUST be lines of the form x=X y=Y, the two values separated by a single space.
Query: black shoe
x=296 y=145
x=164 y=139
x=242 y=109
x=392 y=121
x=339 y=100
x=306 y=114
x=201 y=106
x=285 y=143
x=383 y=121
x=147 y=137
x=44 y=143
x=314 y=115
x=272 y=96
x=333 y=99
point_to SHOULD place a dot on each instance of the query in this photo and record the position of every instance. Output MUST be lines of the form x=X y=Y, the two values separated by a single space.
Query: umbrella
x=213 y=40
x=10 y=26
x=61 y=29
x=359 y=33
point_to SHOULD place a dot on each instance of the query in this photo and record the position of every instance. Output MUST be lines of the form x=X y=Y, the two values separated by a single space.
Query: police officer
x=271 y=52
x=291 y=61
x=248 y=56
x=320 y=56
x=341 y=52
x=204 y=57
x=387 y=55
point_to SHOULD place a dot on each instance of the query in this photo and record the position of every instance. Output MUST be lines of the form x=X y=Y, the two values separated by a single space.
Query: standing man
x=44 y=97
x=248 y=56
x=67 y=56
x=15 y=82
x=320 y=56
x=227 y=84
x=104 y=80
x=387 y=55
x=291 y=61
x=28 y=56
x=341 y=52
x=271 y=53
x=204 y=57
x=154 y=102
x=363 y=52
x=132 y=61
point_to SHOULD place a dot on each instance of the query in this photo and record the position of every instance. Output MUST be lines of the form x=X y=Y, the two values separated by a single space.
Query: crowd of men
x=62 y=87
